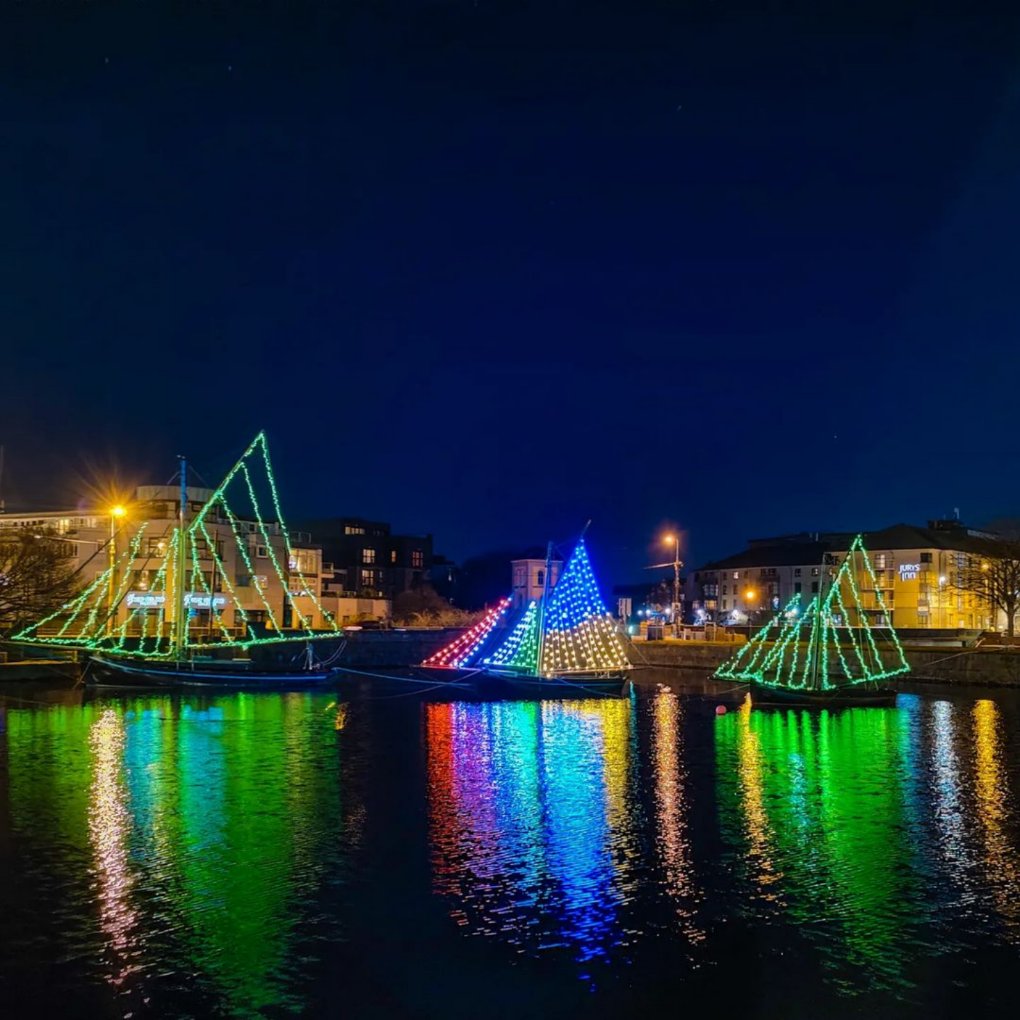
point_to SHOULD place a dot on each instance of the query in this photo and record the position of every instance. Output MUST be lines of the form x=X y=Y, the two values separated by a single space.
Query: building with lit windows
x=915 y=571
x=365 y=559
x=87 y=537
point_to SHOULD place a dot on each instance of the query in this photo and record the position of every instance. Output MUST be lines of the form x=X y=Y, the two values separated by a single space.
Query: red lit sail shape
x=460 y=651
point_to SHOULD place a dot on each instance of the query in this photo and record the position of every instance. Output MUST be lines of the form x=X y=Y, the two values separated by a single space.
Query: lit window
x=368 y=556
x=417 y=558
x=393 y=556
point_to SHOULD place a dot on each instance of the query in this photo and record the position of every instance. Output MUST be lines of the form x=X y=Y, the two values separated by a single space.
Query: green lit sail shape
x=247 y=496
x=832 y=643
x=520 y=650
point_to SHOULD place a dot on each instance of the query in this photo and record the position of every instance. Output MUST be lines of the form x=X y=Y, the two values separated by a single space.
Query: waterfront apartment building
x=365 y=559
x=915 y=570
x=235 y=570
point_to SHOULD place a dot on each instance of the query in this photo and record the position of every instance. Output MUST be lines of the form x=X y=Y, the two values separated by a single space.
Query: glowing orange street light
x=116 y=513
x=676 y=564
x=749 y=595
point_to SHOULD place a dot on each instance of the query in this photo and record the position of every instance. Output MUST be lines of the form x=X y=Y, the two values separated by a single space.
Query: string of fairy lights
x=460 y=651
x=520 y=649
x=779 y=656
x=90 y=620
x=577 y=633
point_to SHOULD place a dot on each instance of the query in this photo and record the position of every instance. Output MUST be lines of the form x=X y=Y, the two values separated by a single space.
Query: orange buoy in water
x=720 y=709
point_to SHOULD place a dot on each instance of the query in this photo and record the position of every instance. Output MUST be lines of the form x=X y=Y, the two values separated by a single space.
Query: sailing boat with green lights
x=835 y=651
x=189 y=625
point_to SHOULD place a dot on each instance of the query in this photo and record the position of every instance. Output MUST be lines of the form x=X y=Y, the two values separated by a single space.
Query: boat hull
x=107 y=671
x=498 y=683
x=766 y=696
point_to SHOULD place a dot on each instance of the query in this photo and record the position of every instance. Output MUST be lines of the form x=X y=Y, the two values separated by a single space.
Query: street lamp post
x=116 y=513
x=675 y=540
x=676 y=564
x=748 y=596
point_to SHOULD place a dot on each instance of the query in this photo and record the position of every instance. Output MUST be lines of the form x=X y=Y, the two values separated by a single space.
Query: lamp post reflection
x=674 y=844
x=994 y=811
x=109 y=829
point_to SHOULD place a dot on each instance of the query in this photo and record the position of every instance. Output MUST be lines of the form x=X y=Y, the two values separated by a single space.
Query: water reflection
x=208 y=815
x=251 y=855
x=996 y=815
x=109 y=828
x=816 y=798
x=530 y=821
x=673 y=845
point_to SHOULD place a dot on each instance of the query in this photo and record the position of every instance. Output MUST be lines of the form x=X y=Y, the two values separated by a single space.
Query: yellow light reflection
x=992 y=788
x=109 y=826
x=751 y=768
x=674 y=842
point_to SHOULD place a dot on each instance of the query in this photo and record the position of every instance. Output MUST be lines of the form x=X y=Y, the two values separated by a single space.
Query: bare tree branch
x=37 y=576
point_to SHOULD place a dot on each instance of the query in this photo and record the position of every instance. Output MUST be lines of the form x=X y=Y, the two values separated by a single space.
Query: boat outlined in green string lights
x=563 y=640
x=155 y=642
x=836 y=651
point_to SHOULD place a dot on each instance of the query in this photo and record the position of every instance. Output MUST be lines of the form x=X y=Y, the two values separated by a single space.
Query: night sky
x=489 y=270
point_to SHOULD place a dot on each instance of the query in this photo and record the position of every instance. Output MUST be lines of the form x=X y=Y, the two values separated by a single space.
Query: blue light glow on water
x=265 y=854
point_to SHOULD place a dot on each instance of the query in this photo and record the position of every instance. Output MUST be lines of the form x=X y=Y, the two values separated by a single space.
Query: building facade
x=916 y=571
x=241 y=564
x=364 y=559
x=529 y=580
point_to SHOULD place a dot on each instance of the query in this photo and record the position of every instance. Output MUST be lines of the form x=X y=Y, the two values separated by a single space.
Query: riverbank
x=994 y=666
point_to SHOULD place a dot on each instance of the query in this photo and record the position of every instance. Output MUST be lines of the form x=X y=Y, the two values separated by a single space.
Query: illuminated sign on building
x=909 y=571
x=199 y=600
x=157 y=600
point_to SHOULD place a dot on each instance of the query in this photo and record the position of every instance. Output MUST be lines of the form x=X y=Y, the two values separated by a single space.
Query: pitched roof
x=805 y=548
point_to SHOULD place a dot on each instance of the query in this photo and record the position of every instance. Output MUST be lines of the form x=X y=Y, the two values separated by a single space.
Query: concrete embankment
x=33 y=670
x=994 y=666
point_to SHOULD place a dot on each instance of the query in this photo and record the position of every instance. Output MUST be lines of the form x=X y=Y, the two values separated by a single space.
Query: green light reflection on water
x=813 y=803
x=214 y=808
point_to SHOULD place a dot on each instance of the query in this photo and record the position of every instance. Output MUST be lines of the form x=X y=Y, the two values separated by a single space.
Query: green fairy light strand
x=772 y=657
x=278 y=511
x=269 y=546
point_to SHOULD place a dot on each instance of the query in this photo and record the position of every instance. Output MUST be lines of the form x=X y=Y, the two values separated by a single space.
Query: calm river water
x=267 y=854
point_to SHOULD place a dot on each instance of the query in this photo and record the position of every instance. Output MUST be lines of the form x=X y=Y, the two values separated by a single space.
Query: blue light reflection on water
x=520 y=801
x=224 y=853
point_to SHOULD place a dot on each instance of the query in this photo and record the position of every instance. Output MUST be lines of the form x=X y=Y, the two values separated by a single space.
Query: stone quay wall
x=995 y=666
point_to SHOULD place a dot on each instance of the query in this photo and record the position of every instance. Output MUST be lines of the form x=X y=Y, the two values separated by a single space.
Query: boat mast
x=180 y=621
x=541 y=608
x=818 y=617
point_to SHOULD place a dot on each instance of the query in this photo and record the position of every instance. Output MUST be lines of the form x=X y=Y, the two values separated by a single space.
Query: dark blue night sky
x=489 y=270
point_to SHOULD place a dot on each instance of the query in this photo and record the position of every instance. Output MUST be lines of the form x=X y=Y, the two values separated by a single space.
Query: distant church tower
x=529 y=579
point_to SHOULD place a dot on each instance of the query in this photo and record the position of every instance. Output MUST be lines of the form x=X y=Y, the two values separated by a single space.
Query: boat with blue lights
x=563 y=643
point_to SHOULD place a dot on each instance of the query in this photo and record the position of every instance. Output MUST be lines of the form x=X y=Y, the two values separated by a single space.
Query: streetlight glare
x=669 y=539
x=118 y=511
